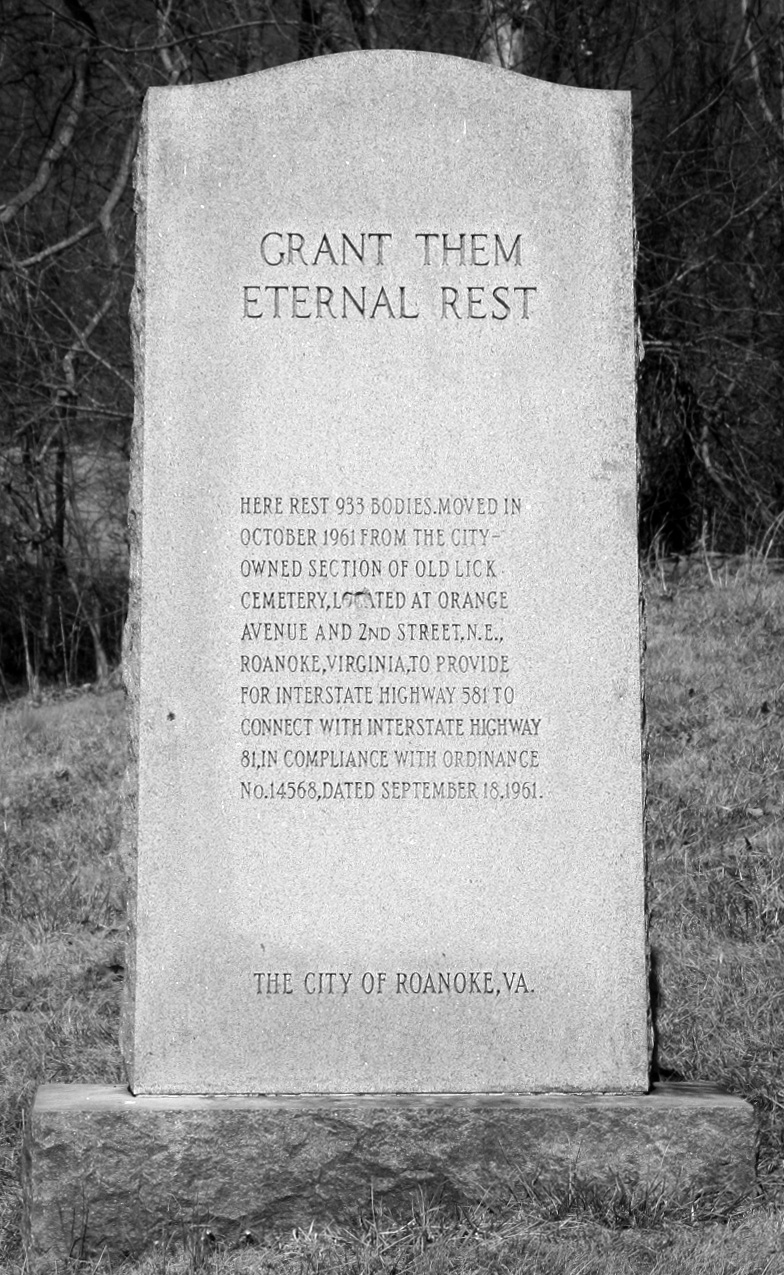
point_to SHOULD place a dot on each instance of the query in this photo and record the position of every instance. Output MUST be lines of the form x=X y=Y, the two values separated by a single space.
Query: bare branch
x=362 y=13
x=502 y=40
x=62 y=140
x=197 y=38
x=755 y=70
x=103 y=217
x=174 y=60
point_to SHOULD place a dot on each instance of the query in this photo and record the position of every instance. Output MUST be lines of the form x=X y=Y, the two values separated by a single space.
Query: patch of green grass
x=715 y=705
x=715 y=700
x=432 y=1240
x=62 y=910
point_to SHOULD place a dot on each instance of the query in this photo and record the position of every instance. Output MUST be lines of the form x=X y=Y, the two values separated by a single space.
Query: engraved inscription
x=425 y=982
x=358 y=668
x=290 y=291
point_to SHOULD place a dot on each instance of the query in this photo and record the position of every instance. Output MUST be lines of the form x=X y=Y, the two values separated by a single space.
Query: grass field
x=715 y=704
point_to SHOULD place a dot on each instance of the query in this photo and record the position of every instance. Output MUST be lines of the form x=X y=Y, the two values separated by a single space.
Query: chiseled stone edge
x=104 y=1170
x=132 y=632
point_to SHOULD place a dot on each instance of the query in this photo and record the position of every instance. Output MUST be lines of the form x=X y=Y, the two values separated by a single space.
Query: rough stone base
x=106 y=1171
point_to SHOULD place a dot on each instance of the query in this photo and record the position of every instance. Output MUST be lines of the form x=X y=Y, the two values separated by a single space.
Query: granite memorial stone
x=385 y=634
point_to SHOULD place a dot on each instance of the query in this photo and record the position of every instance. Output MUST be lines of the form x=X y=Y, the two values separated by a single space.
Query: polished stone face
x=383 y=647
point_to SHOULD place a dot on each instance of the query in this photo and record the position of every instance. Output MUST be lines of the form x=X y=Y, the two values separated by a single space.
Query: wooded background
x=707 y=79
